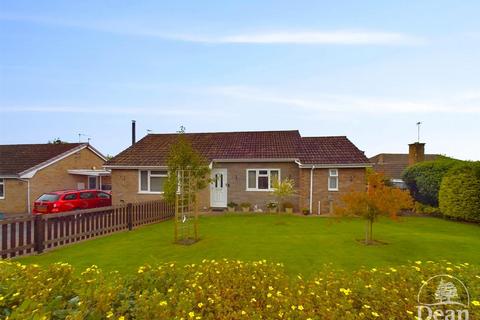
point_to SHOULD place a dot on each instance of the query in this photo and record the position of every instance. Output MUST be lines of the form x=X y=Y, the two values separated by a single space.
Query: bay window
x=333 y=180
x=152 y=181
x=262 y=179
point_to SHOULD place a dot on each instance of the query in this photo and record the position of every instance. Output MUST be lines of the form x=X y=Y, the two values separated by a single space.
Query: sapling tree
x=184 y=158
x=378 y=200
x=283 y=189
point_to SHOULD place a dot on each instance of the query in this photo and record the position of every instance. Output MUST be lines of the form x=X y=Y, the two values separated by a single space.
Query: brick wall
x=52 y=178
x=237 y=181
x=125 y=186
x=125 y=189
x=351 y=179
x=15 y=197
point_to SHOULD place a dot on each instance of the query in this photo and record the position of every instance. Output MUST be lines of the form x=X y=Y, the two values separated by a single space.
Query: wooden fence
x=29 y=234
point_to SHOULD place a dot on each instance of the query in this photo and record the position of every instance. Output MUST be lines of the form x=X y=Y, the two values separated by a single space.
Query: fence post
x=130 y=216
x=39 y=233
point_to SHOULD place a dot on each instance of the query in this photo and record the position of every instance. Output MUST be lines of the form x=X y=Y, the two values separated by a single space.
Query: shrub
x=460 y=192
x=221 y=289
x=426 y=209
x=272 y=205
x=424 y=179
x=245 y=204
x=232 y=204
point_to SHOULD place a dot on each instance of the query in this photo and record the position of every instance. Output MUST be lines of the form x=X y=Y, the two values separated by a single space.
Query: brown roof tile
x=153 y=149
x=16 y=158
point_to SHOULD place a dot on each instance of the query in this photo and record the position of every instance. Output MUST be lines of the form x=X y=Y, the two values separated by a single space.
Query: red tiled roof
x=16 y=158
x=392 y=165
x=153 y=149
x=330 y=150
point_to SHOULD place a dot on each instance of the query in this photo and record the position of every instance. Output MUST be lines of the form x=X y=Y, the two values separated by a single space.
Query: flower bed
x=225 y=289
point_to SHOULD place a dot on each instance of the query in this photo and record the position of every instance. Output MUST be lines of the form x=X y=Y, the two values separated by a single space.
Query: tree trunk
x=369 y=232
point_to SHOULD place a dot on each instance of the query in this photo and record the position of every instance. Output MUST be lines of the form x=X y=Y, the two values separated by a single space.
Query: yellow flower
x=375 y=314
x=109 y=314
x=270 y=288
x=300 y=307
x=393 y=269
x=163 y=303
x=253 y=300
x=243 y=312
x=121 y=318
x=293 y=307
x=449 y=269
x=269 y=295
x=191 y=314
x=16 y=294
x=366 y=306
x=1 y=298
x=345 y=291
x=200 y=305
x=409 y=312
x=418 y=262
x=476 y=303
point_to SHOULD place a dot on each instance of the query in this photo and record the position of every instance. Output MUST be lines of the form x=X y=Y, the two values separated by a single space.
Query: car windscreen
x=49 y=197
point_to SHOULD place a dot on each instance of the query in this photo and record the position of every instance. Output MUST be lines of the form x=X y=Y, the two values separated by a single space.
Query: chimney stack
x=416 y=153
x=133 y=132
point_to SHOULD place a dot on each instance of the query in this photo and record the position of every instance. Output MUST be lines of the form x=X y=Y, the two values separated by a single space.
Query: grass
x=303 y=244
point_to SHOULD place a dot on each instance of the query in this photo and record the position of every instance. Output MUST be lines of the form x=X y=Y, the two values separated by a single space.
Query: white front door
x=218 y=188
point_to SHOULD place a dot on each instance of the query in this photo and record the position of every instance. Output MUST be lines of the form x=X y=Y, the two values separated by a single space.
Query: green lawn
x=303 y=244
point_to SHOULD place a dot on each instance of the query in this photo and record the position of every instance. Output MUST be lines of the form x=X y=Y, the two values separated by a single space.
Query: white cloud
x=163 y=111
x=457 y=104
x=310 y=37
x=339 y=37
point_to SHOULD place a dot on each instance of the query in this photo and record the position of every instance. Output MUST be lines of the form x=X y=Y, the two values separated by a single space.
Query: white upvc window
x=152 y=181
x=2 y=188
x=262 y=179
x=333 y=180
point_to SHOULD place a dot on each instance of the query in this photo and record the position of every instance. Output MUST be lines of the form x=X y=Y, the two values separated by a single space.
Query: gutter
x=334 y=165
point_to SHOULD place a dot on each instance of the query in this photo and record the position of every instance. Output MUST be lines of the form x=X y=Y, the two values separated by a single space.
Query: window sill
x=260 y=190
x=335 y=190
x=148 y=192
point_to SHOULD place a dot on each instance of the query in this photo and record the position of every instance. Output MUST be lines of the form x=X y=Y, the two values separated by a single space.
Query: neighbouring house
x=29 y=170
x=392 y=165
x=244 y=164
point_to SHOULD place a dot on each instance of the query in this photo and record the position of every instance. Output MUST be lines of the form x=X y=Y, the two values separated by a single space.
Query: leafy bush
x=460 y=192
x=232 y=204
x=426 y=209
x=245 y=204
x=424 y=179
x=220 y=290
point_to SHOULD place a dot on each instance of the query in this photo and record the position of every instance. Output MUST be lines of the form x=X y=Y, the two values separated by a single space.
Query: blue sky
x=366 y=69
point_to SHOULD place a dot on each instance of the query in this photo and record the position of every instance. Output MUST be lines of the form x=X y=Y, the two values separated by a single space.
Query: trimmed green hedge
x=225 y=289
x=424 y=179
x=460 y=192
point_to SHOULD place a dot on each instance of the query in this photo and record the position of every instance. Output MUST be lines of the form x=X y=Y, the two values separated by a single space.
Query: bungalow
x=392 y=165
x=29 y=170
x=244 y=164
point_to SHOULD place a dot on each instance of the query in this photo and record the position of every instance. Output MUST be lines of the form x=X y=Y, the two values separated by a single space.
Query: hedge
x=225 y=289
x=424 y=179
x=460 y=192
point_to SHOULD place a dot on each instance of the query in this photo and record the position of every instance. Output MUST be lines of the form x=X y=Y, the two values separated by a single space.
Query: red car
x=68 y=200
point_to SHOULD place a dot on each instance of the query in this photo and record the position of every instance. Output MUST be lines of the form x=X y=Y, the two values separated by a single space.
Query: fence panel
x=16 y=236
x=29 y=234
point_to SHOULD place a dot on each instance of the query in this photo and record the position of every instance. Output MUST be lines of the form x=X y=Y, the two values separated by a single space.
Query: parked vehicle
x=68 y=200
